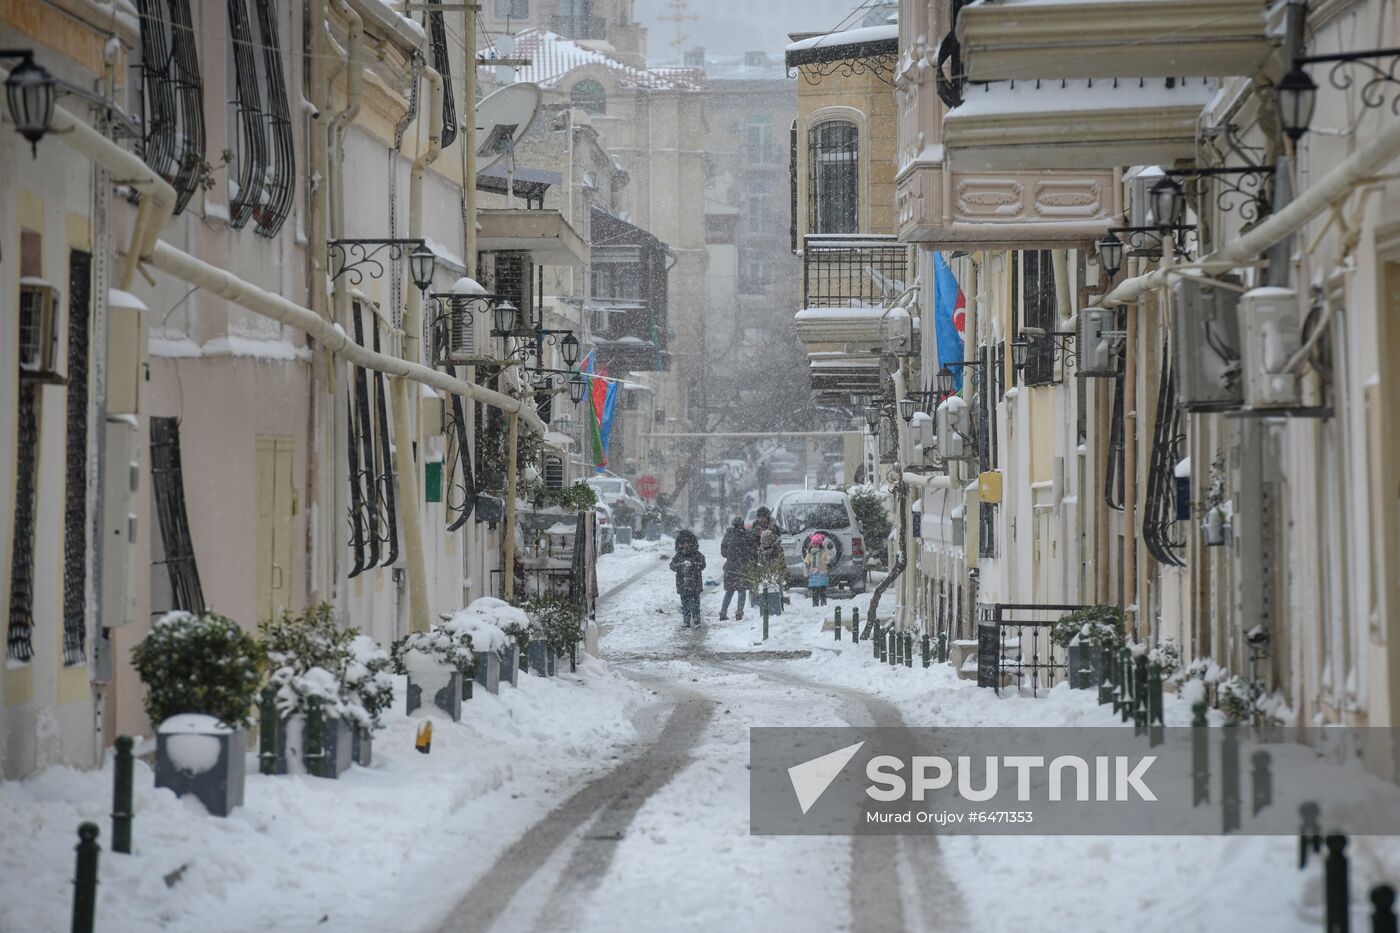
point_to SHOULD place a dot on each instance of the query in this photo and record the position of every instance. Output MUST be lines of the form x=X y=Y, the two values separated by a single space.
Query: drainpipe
x=468 y=134
x=413 y=303
x=354 y=93
x=508 y=529
x=1130 y=467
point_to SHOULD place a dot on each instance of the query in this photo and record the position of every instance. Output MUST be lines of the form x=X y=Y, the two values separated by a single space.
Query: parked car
x=801 y=514
x=614 y=489
x=607 y=534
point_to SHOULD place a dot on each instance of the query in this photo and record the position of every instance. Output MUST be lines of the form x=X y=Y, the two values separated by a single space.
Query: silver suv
x=801 y=514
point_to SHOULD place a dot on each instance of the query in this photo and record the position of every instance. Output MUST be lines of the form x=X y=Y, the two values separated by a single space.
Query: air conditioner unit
x=1094 y=346
x=954 y=424
x=38 y=326
x=464 y=342
x=1270 y=322
x=1207 y=338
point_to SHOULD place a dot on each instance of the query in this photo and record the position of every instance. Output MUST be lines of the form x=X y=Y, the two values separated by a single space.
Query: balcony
x=856 y=270
x=544 y=234
x=1056 y=39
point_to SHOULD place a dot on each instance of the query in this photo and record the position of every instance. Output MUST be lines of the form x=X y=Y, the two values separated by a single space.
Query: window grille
x=76 y=461
x=1038 y=311
x=173 y=96
x=1162 y=534
x=281 y=175
x=833 y=177
x=986 y=428
x=364 y=485
x=1113 y=472
x=792 y=185
x=437 y=30
x=168 y=492
x=460 y=497
x=386 y=470
x=554 y=472
x=21 y=626
x=249 y=136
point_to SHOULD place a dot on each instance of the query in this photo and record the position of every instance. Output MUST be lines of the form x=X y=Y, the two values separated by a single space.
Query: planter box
x=652 y=532
x=337 y=747
x=1084 y=667
x=510 y=665
x=488 y=672
x=201 y=757
x=446 y=696
x=551 y=659
x=539 y=659
x=363 y=747
x=624 y=535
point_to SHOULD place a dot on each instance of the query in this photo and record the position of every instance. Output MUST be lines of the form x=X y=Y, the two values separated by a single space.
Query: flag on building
x=949 y=318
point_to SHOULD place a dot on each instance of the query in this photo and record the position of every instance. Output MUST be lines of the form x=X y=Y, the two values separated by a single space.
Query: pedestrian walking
x=818 y=563
x=687 y=565
x=739 y=548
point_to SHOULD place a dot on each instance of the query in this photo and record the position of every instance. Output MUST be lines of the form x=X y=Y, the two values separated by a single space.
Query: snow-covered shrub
x=557 y=618
x=437 y=650
x=307 y=655
x=1097 y=626
x=367 y=682
x=874 y=520
x=485 y=621
x=1168 y=655
x=1236 y=699
x=198 y=664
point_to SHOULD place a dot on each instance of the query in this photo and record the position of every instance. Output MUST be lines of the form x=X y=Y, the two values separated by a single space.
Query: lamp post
x=1168 y=202
x=421 y=264
x=1020 y=351
x=906 y=409
x=29 y=93
x=1297 y=98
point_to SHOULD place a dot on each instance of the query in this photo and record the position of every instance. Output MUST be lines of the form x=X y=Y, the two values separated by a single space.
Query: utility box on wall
x=126 y=352
x=1207 y=339
x=1272 y=334
x=122 y=440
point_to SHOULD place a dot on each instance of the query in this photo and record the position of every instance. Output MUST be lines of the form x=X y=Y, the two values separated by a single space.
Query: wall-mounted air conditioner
x=954 y=423
x=1095 y=343
x=1207 y=339
x=1270 y=323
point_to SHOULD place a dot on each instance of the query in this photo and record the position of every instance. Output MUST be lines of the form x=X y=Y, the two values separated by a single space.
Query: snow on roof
x=1099 y=94
x=552 y=57
x=848 y=37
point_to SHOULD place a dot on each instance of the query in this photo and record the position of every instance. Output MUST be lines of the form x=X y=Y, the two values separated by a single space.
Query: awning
x=544 y=234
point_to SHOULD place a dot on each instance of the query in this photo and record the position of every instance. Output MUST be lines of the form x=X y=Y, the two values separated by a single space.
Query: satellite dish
x=502 y=118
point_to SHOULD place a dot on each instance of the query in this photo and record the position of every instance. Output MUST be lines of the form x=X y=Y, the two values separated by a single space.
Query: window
x=261 y=173
x=512 y=9
x=589 y=95
x=1038 y=304
x=168 y=494
x=554 y=472
x=76 y=460
x=574 y=22
x=758 y=132
x=173 y=96
x=33 y=345
x=760 y=211
x=833 y=177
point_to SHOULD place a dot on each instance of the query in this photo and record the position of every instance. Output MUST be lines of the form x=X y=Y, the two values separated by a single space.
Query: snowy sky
x=735 y=26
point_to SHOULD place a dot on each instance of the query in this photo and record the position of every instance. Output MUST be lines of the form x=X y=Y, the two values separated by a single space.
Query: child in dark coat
x=687 y=564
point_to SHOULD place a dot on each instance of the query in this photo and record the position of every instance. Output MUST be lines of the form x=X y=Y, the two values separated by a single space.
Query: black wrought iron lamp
x=354 y=257
x=504 y=317
x=906 y=408
x=872 y=418
x=1020 y=352
x=578 y=384
x=422 y=262
x=1168 y=203
x=29 y=93
x=1110 y=253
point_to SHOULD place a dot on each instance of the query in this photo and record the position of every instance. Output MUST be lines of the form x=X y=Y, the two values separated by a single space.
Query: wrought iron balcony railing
x=852 y=270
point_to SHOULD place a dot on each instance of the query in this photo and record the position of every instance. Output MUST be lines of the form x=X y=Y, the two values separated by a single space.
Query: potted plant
x=1084 y=633
x=308 y=655
x=437 y=663
x=482 y=624
x=370 y=687
x=624 y=520
x=201 y=674
x=557 y=619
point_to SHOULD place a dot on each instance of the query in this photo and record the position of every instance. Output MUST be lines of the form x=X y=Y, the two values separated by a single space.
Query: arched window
x=589 y=95
x=833 y=177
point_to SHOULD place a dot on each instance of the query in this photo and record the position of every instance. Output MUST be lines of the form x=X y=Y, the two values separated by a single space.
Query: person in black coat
x=687 y=564
x=739 y=548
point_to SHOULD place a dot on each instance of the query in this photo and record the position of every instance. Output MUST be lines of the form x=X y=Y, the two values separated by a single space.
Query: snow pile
x=485 y=623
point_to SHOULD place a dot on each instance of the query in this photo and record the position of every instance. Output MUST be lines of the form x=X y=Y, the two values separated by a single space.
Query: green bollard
x=1105 y=675
x=1262 y=783
x=909 y=649
x=895 y=642
x=1156 y=720
x=855 y=625
x=836 y=624
x=1200 y=756
x=121 y=796
x=1338 y=885
x=1229 y=778
x=85 y=884
x=942 y=647
x=1125 y=683
x=267 y=731
x=765 y=615
x=926 y=649
x=1383 y=909
x=313 y=752
x=877 y=642
x=1139 y=694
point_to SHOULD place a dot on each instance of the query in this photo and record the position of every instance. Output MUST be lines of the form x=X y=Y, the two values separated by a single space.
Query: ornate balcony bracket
x=353 y=258
x=1377 y=71
x=1146 y=242
x=1242 y=188
x=879 y=58
x=1060 y=344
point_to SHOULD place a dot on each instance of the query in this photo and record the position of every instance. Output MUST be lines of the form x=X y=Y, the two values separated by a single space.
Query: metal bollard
x=942 y=647
x=926 y=649
x=1105 y=675
x=892 y=646
x=1309 y=832
x=267 y=731
x=1200 y=756
x=877 y=641
x=765 y=615
x=1338 y=885
x=1383 y=909
x=909 y=650
x=121 y=796
x=836 y=625
x=1261 y=781
x=1229 y=778
x=855 y=625
x=85 y=884
x=1125 y=683
x=313 y=731
x=1139 y=694
x=1156 y=718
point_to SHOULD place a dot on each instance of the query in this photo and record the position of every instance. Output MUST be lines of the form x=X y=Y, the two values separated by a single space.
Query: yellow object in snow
x=424 y=742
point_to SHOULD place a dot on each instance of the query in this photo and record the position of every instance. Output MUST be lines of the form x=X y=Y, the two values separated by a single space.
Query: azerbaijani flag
x=949 y=318
x=602 y=401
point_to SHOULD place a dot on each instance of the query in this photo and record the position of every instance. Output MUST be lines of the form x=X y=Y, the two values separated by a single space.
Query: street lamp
x=945 y=381
x=1297 y=97
x=421 y=263
x=29 y=93
x=906 y=409
x=1110 y=250
x=1168 y=202
x=505 y=314
x=569 y=348
x=872 y=416
x=577 y=384
x=1020 y=349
